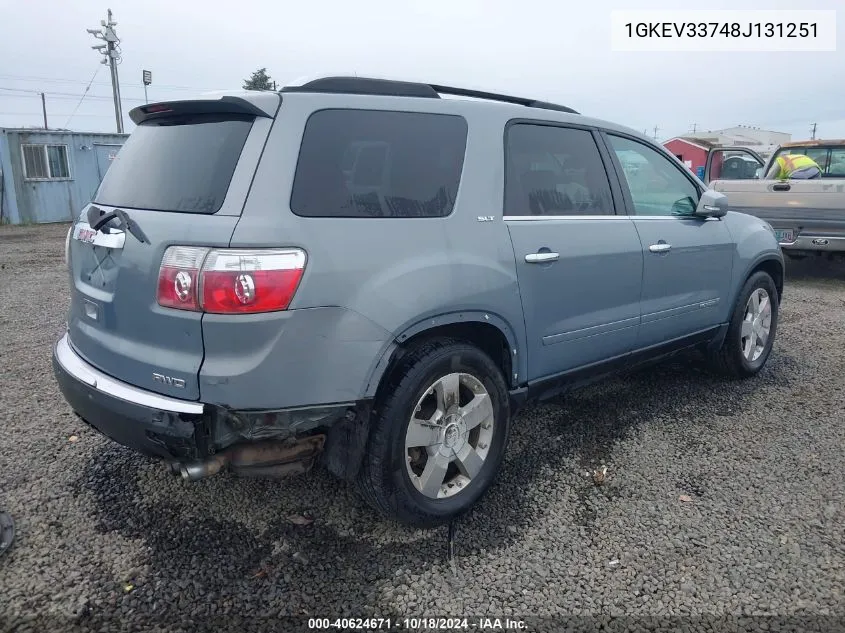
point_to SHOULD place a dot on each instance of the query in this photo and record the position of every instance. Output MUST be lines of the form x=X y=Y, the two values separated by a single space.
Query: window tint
x=657 y=185
x=180 y=164
x=554 y=171
x=367 y=163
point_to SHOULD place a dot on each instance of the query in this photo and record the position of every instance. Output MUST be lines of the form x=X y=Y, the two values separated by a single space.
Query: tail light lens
x=229 y=281
x=178 y=277
x=237 y=281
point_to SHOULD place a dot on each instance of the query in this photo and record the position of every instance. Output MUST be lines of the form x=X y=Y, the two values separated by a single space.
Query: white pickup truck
x=808 y=215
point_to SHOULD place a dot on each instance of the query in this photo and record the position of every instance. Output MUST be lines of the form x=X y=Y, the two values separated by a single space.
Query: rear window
x=182 y=164
x=369 y=163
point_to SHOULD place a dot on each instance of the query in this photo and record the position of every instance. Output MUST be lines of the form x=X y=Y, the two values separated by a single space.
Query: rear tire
x=751 y=333
x=426 y=474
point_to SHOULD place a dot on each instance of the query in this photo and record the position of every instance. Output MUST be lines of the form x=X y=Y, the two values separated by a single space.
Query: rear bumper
x=149 y=423
x=168 y=428
x=815 y=242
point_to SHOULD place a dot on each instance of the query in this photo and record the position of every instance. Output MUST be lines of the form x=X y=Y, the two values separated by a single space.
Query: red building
x=691 y=151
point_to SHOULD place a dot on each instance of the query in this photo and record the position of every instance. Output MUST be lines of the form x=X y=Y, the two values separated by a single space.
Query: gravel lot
x=107 y=537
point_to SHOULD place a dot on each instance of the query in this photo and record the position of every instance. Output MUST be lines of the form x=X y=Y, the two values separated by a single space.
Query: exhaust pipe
x=201 y=470
x=260 y=459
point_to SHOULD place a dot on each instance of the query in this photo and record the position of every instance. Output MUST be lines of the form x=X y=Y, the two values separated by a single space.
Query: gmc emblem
x=169 y=381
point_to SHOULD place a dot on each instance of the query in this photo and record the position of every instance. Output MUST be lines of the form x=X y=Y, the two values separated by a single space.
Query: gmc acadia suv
x=375 y=275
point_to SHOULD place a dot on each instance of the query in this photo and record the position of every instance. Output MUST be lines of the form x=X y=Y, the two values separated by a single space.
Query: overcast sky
x=546 y=49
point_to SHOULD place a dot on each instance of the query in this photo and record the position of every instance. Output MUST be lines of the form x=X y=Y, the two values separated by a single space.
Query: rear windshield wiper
x=98 y=219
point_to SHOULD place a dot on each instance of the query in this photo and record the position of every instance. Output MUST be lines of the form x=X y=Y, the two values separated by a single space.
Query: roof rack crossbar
x=394 y=88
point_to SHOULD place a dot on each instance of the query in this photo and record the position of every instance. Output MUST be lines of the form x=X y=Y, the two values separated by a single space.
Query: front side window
x=379 y=164
x=733 y=165
x=554 y=171
x=45 y=162
x=657 y=185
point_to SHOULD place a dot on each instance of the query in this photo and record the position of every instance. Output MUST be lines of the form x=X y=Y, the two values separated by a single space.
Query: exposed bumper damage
x=199 y=440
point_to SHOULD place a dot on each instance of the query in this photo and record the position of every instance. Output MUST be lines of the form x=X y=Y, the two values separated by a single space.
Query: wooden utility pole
x=44 y=109
x=111 y=52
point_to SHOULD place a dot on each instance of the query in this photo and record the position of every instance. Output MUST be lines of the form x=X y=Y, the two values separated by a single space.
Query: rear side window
x=182 y=164
x=382 y=164
x=554 y=171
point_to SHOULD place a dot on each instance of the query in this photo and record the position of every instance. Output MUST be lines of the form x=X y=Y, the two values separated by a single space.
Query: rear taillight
x=179 y=276
x=229 y=281
x=235 y=281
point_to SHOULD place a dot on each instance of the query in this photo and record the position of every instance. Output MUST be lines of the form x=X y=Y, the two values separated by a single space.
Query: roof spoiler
x=223 y=105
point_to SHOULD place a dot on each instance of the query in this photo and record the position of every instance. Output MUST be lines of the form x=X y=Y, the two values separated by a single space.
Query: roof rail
x=492 y=96
x=394 y=88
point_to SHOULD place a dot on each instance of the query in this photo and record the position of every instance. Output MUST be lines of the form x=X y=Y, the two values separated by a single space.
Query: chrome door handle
x=660 y=248
x=541 y=258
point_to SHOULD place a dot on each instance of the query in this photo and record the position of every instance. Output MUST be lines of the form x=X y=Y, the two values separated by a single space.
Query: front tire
x=751 y=333
x=438 y=436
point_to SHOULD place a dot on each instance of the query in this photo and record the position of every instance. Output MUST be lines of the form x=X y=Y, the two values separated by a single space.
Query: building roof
x=41 y=130
x=745 y=127
x=693 y=140
x=814 y=143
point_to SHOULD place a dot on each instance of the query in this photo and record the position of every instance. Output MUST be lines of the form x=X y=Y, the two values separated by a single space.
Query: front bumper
x=168 y=428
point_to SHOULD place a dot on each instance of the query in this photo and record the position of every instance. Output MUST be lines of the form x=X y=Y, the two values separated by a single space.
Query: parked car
x=373 y=275
x=808 y=215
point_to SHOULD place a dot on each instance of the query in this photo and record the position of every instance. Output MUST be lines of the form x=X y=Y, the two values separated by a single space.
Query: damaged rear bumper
x=198 y=437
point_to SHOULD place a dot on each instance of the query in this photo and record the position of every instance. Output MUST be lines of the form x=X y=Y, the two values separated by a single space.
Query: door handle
x=660 y=248
x=781 y=187
x=541 y=258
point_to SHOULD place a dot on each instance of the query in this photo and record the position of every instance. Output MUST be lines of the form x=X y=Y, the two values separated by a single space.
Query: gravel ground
x=106 y=537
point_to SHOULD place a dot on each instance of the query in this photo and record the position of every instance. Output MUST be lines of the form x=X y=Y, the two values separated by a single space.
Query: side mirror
x=712 y=204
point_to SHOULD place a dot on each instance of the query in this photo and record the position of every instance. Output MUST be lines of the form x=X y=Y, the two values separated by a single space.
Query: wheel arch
x=487 y=330
x=770 y=264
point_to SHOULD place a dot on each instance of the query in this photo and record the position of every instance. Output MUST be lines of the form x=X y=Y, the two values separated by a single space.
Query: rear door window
x=182 y=164
x=379 y=164
x=554 y=171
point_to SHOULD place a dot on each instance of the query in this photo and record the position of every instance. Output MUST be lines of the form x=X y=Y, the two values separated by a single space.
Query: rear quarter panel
x=391 y=273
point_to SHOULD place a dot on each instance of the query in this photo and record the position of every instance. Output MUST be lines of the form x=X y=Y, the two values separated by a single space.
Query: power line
x=100 y=83
x=61 y=95
x=81 y=99
x=33 y=114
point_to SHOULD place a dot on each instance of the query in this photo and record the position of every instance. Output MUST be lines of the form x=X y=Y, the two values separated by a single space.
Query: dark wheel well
x=775 y=271
x=488 y=338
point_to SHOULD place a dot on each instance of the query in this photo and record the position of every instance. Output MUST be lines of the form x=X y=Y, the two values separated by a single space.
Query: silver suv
x=376 y=275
